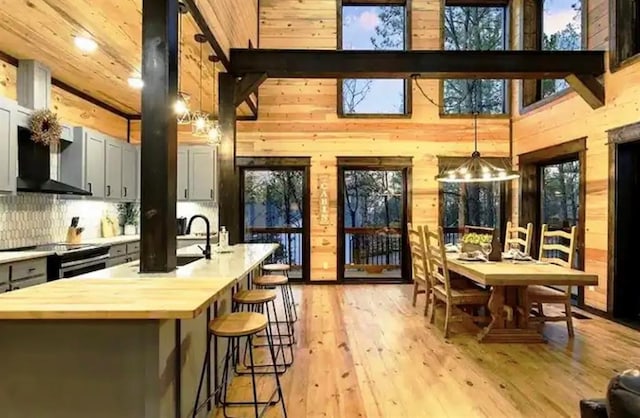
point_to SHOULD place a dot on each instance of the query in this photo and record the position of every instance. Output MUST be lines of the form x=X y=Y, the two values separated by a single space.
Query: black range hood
x=34 y=169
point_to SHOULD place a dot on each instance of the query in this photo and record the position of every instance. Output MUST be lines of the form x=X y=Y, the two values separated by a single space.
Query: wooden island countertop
x=121 y=292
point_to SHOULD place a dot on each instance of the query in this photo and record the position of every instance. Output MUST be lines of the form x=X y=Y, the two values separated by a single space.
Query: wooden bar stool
x=262 y=300
x=234 y=326
x=273 y=281
x=283 y=269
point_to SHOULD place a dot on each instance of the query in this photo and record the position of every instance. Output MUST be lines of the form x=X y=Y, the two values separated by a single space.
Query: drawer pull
x=32 y=269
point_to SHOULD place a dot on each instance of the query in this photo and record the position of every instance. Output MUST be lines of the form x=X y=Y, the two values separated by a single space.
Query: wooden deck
x=364 y=351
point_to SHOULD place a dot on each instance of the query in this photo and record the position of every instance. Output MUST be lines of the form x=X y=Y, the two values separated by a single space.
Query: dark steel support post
x=159 y=135
x=229 y=195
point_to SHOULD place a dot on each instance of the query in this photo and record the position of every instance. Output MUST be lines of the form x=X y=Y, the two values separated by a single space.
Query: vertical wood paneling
x=299 y=118
x=568 y=118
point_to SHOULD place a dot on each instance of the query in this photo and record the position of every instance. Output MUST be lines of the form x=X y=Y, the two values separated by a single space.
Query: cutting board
x=109 y=226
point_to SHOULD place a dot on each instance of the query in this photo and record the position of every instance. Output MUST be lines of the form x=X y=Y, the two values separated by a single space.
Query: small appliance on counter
x=181 y=224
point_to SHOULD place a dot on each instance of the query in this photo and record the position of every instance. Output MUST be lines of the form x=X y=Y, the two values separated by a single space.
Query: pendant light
x=214 y=136
x=476 y=169
x=200 y=118
x=181 y=106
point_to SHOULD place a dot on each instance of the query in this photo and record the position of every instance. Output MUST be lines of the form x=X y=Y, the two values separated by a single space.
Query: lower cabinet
x=24 y=274
x=123 y=253
x=4 y=287
x=115 y=261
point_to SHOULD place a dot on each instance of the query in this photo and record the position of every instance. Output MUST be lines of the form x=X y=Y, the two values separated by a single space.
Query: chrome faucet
x=207 y=248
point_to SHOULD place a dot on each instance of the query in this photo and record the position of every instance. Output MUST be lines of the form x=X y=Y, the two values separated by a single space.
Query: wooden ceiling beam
x=589 y=88
x=282 y=63
x=247 y=85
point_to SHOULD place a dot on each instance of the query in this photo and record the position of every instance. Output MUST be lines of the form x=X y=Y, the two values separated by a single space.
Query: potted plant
x=129 y=215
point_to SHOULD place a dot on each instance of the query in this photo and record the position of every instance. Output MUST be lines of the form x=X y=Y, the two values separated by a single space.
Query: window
x=561 y=31
x=625 y=32
x=476 y=204
x=474 y=28
x=370 y=27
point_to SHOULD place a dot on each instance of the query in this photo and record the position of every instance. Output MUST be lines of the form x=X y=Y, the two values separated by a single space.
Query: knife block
x=74 y=235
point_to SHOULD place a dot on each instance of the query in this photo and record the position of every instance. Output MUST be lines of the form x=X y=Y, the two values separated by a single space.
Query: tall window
x=370 y=27
x=474 y=28
x=625 y=35
x=474 y=204
x=561 y=31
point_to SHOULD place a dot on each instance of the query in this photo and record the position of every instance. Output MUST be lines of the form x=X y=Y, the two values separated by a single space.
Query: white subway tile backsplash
x=32 y=219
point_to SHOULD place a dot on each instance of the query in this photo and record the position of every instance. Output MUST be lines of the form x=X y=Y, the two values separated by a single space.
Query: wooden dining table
x=508 y=281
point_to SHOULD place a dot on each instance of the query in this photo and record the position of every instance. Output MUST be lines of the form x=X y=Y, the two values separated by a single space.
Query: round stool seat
x=238 y=324
x=255 y=296
x=276 y=267
x=270 y=280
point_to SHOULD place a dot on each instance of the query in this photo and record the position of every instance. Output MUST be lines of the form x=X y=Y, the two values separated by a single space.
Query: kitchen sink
x=184 y=260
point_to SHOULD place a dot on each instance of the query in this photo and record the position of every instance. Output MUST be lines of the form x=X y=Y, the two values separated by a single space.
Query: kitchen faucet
x=207 y=248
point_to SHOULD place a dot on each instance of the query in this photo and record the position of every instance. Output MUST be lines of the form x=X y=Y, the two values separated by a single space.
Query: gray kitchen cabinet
x=129 y=172
x=23 y=284
x=202 y=168
x=183 y=174
x=116 y=261
x=113 y=169
x=8 y=146
x=4 y=274
x=82 y=162
x=27 y=273
x=4 y=287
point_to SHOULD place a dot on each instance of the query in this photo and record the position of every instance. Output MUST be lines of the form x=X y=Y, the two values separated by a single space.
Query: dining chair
x=421 y=282
x=442 y=290
x=512 y=236
x=539 y=295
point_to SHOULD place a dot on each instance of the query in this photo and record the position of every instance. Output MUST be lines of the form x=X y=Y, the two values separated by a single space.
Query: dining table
x=508 y=281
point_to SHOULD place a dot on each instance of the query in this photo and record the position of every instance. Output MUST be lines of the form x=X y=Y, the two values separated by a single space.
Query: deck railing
x=373 y=246
x=290 y=240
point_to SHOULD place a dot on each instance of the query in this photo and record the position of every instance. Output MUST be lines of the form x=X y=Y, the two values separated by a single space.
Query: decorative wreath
x=45 y=127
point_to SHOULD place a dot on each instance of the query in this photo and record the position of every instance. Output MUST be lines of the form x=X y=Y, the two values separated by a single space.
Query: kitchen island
x=116 y=343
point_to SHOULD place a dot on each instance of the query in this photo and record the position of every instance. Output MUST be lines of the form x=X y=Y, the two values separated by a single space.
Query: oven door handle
x=94 y=260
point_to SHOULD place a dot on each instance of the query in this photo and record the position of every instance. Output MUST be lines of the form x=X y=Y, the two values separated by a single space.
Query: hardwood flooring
x=364 y=351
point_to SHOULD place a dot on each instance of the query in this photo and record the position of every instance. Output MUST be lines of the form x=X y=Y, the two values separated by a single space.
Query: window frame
x=505 y=193
x=506 y=114
x=615 y=36
x=538 y=101
x=408 y=85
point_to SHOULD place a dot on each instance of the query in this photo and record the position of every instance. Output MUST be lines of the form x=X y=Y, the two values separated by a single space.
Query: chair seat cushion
x=471 y=295
x=543 y=293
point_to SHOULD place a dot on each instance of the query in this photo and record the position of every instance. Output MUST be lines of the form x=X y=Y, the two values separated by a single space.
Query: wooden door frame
x=404 y=164
x=530 y=178
x=283 y=163
x=617 y=136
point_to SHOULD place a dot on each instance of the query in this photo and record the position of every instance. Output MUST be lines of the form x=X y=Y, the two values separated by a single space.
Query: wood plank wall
x=568 y=118
x=233 y=22
x=298 y=118
x=71 y=109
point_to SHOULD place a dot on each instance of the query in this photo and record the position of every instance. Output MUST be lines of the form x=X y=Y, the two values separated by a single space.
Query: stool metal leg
x=207 y=359
x=275 y=369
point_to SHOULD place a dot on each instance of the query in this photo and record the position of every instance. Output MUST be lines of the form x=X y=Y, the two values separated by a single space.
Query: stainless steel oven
x=85 y=265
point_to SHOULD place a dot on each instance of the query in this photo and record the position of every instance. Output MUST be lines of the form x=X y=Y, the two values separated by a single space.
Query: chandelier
x=200 y=118
x=214 y=135
x=476 y=169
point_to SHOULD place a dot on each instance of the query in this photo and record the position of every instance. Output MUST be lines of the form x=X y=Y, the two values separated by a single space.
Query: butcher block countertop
x=122 y=293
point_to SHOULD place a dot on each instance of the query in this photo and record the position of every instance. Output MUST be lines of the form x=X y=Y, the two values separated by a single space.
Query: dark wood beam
x=229 y=183
x=202 y=24
x=159 y=136
x=428 y=64
x=248 y=85
x=589 y=88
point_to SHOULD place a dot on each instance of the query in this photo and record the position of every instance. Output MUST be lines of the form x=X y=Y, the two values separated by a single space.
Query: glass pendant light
x=181 y=106
x=476 y=169
x=214 y=135
x=200 y=118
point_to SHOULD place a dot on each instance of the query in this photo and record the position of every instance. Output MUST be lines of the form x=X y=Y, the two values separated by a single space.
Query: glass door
x=560 y=202
x=274 y=200
x=374 y=214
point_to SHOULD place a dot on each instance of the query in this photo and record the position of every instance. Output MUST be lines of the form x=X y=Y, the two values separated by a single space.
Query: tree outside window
x=561 y=31
x=471 y=29
x=374 y=28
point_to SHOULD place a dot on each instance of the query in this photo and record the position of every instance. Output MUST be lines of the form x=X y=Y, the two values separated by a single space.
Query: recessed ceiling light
x=85 y=44
x=135 y=82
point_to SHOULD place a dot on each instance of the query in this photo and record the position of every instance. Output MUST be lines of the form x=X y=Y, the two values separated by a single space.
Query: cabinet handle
x=89 y=184
x=108 y=190
x=186 y=193
x=211 y=193
x=32 y=269
x=125 y=192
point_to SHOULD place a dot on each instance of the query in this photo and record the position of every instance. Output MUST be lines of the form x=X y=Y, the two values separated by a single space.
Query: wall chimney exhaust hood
x=34 y=160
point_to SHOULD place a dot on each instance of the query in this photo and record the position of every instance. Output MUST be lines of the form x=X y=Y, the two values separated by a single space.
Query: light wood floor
x=364 y=351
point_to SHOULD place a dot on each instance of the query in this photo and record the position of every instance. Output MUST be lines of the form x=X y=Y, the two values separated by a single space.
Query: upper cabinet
x=82 y=162
x=129 y=172
x=196 y=173
x=113 y=169
x=8 y=146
